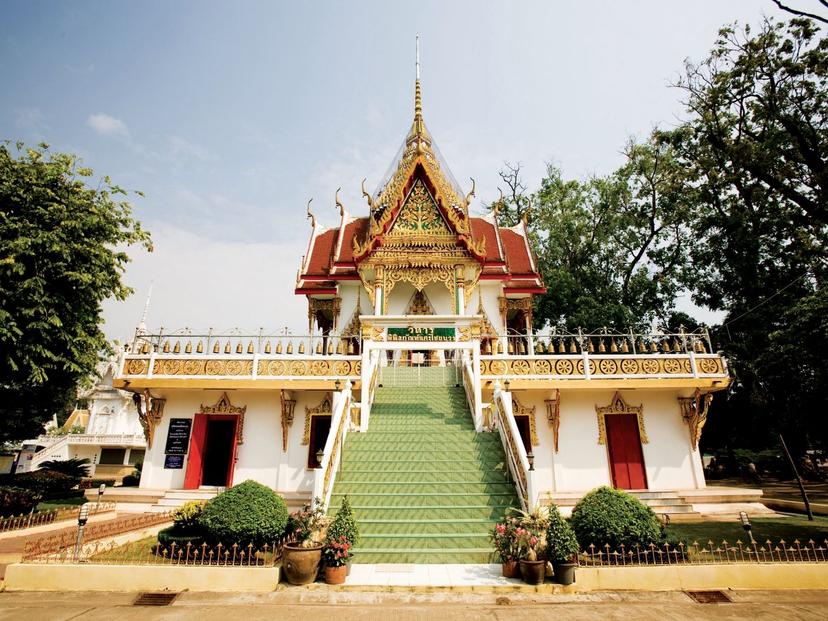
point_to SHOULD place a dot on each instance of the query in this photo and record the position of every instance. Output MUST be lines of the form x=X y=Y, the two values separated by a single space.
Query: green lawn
x=764 y=528
x=143 y=552
x=60 y=503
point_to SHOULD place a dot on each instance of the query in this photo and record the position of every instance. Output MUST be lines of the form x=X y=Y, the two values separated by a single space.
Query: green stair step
x=435 y=465
x=443 y=557
x=427 y=500
x=421 y=488
x=425 y=542
x=346 y=477
x=373 y=512
x=425 y=527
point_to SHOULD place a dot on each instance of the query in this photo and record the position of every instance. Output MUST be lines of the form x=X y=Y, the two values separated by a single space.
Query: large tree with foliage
x=62 y=244
x=756 y=145
x=611 y=249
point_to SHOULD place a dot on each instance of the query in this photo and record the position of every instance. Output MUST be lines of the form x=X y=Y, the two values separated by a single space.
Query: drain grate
x=154 y=599
x=709 y=597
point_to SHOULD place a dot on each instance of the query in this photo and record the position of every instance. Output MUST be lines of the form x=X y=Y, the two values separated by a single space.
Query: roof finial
x=417 y=54
x=418 y=128
x=311 y=217
x=142 y=325
x=339 y=203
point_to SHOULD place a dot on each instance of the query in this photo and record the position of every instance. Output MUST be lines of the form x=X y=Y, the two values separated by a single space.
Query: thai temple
x=421 y=390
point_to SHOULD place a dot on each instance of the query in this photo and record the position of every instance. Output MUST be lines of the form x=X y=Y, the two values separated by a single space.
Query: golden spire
x=418 y=129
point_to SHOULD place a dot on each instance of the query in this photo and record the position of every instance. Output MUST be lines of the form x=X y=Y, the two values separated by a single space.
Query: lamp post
x=319 y=455
x=101 y=491
x=83 y=517
x=743 y=518
x=530 y=457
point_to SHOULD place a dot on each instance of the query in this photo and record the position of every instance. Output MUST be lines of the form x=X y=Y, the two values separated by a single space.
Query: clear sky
x=230 y=115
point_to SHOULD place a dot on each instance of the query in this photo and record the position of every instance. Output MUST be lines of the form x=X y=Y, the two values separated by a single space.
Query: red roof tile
x=517 y=253
x=486 y=230
x=321 y=253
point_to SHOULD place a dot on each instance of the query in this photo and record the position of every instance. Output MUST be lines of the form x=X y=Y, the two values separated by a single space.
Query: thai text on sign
x=418 y=333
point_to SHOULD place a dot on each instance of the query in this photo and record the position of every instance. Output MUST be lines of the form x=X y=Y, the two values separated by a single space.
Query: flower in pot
x=302 y=557
x=562 y=547
x=344 y=525
x=337 y=553
x=506 y=545
x=531 y=547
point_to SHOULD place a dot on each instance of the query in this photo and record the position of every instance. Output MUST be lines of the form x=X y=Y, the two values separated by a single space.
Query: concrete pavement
x=300 y=603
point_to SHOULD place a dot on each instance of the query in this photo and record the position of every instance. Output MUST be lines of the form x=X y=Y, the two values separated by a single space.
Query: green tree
x=62 y=253
x=755 y=145
x=612 y=250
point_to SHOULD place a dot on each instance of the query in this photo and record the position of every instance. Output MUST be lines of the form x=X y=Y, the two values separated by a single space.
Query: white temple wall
x=490 y=291
x=437 y=294
x=348 y=292
x=260 y=456
x=582 y=464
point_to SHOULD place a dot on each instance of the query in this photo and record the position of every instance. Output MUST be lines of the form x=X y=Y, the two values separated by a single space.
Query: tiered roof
x=334 y=254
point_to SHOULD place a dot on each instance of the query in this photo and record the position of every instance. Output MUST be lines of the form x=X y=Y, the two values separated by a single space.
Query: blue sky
x=230 y=115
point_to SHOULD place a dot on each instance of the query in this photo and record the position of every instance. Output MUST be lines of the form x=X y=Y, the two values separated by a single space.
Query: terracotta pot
x=533 y=572
x=511 y=569
x=564 y=572
x=336 y=575
x=301 y=565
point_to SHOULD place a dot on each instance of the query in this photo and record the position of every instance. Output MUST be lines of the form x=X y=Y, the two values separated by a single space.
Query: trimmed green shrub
x=187 y=515
x=246 y=513
x=561 y=544
x=610 y=516
x=45 y=483
x=17 y=501
x=344 y=524
x=180 y=537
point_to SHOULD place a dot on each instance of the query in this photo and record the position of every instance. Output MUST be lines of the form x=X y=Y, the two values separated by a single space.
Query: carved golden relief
x=694 y=412
x=553 y=415
x=288 y=406
x=522 y=410
x=324 y=408
x=331 y=306
x=223 y=406
x=136 y=366
x=709 y=366
x=419 y=220
x=619 y=406
x=567 y=367
x=150 y=413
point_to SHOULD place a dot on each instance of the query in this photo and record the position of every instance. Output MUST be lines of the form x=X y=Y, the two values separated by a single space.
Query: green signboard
x=412 y=333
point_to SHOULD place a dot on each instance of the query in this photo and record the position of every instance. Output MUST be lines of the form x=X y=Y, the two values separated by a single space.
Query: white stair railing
x=370 y=379
x=325 y=474
x=471 y=383
x=516 y=457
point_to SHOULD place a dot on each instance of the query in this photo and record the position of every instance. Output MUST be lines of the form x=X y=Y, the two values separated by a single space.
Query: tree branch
x=801 y=13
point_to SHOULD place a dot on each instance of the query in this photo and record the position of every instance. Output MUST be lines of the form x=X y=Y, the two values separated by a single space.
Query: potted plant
x=506 y=545
x=344 y=525
x=301 y=558
x=337 y=553
x=530 y=533
x=532 y=568
x=562 y=547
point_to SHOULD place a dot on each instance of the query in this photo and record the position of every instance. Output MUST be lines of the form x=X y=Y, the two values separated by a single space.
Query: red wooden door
x=626 y=457
x=195 y=457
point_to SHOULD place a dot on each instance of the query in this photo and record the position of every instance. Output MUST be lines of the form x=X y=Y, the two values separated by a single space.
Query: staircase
x=672 y=504
x=424 y=486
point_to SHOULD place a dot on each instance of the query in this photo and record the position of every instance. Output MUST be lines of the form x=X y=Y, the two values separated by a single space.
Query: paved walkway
x=428 y=575
x=300 y=604
x=775 y=488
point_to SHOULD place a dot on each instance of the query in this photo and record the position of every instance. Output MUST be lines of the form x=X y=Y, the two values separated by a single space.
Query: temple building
x=421 y=389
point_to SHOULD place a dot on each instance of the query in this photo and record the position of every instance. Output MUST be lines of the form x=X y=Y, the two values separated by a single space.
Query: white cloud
x=107 y=125
x=183 y=148
x=200 y=283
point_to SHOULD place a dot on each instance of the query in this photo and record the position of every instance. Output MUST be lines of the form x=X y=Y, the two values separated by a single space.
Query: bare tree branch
x=802 y=13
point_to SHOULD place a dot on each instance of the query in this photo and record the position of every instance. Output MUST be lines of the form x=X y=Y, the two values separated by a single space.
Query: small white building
x=107 y=432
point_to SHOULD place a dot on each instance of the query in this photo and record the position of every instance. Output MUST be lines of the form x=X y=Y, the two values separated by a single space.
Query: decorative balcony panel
x=620 y=367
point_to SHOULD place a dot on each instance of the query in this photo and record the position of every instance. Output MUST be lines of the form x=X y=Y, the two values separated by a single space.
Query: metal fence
x=708 y=553
x=45 y=547
x=143 y=552
x=42 y=518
